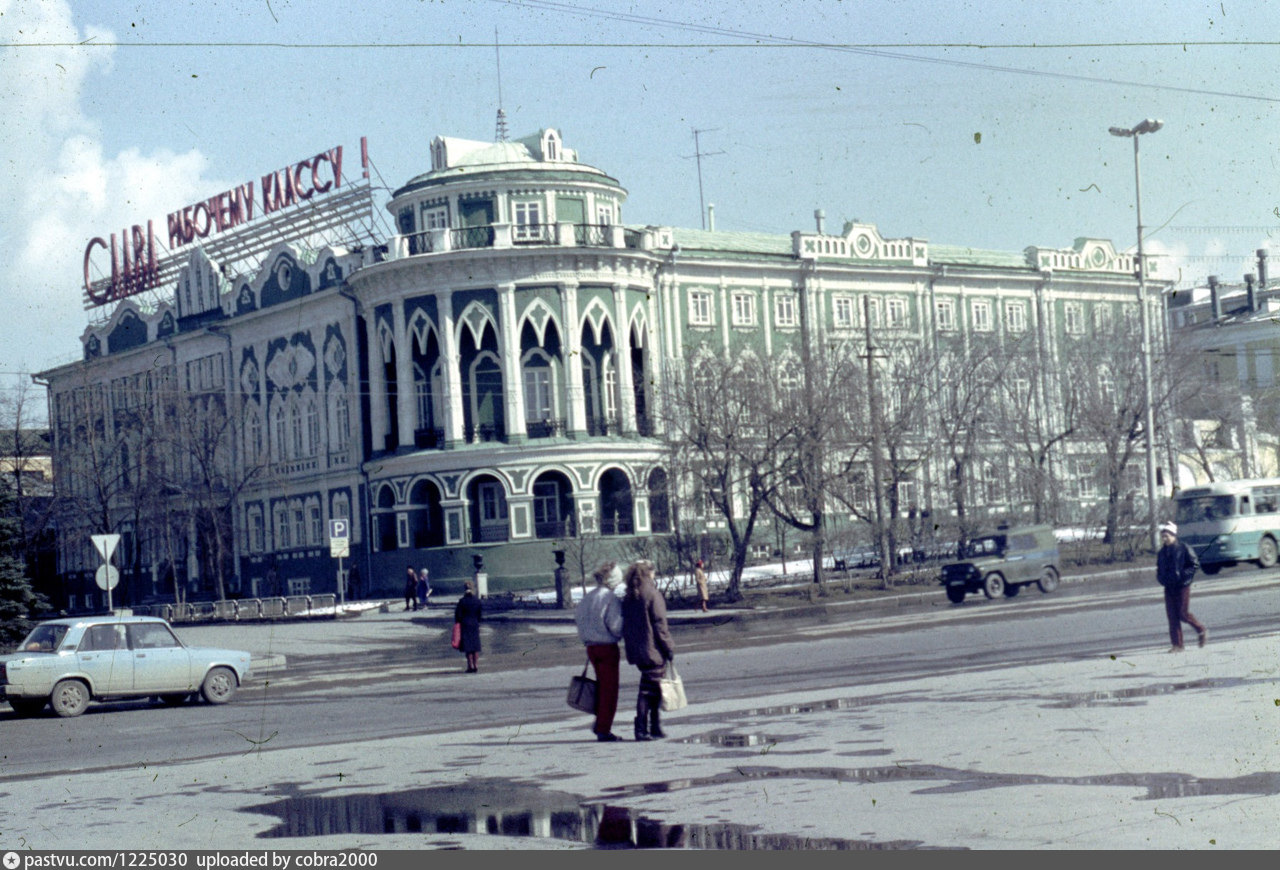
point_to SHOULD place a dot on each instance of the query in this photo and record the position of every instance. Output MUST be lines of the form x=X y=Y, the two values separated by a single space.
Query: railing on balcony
x=428 y=439
x=484 y=432
x=490 y=534
x=558 y=529
x=422 y=243
x=544 y=428
x=533 y=234
x=599 y=426
x=618 y=525
x=593 y=235
x=471 y=237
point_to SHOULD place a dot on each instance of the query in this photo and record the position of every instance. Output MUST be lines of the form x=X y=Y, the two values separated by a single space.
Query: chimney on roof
x=820 y=216
x=1215 y=303
x=1250 y=295
x=1262 y=270
x=711 y=216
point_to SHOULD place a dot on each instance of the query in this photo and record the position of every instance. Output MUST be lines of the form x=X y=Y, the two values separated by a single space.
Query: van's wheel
x=993 y=585
x=955 y=594
x=1048 y=581
x=1267 y=553
x=1011 y=589
x=69 y=698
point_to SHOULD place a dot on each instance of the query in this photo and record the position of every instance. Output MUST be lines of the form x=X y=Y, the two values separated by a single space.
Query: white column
x=657 y=361
x=575 y=394
x=627 y=396
x=377 y=386
x=449 y=364
x=406 y=404
x=512 y=378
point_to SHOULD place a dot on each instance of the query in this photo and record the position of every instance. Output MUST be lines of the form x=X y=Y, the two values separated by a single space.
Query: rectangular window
x=300 y=526
x=546 y=502
x=528 y=220
x=604 y=215
x=700 y=308
x=896 y=313
x=875 y=309
x=283 y=540
x=317 y=525
x=842 y=311
x=435 y=217
x=784 y=309
x=257 y=532
x=537 y=395
x=1103 y=324
x=1073 y=318
x=744 y=309
x=493 y=507
x=981 y=314
x=945 y=311
x=1015 y=316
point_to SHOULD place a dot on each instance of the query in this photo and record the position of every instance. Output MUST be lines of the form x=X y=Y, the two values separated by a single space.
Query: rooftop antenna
x=697 y=155
x=500 y=135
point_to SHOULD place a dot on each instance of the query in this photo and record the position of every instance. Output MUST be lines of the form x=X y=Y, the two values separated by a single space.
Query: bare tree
x=723 y=444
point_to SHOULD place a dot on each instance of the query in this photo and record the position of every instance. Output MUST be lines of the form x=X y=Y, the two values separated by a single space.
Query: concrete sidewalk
x=1144 y=751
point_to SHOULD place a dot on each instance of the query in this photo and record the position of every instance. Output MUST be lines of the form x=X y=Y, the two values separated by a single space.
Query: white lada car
x=67 y=663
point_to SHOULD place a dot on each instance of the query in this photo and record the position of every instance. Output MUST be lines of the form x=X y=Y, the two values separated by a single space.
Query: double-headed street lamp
x=1147 y=126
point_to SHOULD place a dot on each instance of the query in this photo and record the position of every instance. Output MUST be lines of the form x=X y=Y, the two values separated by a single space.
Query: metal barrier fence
x=245 y=609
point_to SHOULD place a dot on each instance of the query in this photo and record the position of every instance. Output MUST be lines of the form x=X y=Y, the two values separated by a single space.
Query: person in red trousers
x=599 y=620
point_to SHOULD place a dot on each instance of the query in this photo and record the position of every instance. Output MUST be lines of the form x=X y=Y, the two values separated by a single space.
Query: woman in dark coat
x=648 y=644
x=411 y=591
x=467 y=614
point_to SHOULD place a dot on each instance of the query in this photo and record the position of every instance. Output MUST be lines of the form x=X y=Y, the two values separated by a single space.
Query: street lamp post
x=1147 y=126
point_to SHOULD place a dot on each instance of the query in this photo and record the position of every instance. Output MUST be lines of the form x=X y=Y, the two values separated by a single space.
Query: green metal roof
x=517 y=173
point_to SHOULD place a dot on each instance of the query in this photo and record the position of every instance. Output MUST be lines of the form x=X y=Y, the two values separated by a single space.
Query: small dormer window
x=550 y=146
x=439 y=159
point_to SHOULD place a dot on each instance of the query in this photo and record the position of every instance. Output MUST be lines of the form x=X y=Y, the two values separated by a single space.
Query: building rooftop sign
x=300 y=200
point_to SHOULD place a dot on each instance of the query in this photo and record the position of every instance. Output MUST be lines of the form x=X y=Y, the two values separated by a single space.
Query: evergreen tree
x=18 y=600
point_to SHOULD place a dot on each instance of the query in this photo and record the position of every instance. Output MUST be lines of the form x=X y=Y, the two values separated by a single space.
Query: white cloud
x=59 y=187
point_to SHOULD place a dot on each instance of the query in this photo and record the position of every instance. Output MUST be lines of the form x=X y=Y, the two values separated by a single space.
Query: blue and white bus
x=1233 y=521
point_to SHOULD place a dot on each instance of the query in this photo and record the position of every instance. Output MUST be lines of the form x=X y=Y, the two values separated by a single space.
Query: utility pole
x=877 y=447
x=697 y=155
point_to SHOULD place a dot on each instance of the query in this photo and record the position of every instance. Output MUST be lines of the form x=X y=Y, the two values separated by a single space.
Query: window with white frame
x=341 y=421
x=280 y=432
x=744 y=309
x=700 y=307
x=896 y=313
x=253 y=432
x=299 y=523
x=874 y=308
x=980 y=315
x=1073 y=318
x=296 y=440
x=527 y=217
x=784 y=309
x=1015 y=316
x=313 y=428
x=842 y=312
x=283 y=539
x=316 y=521
x=945 y=312
x=1084 y=472
x=604 y=214
x=435 y=217
x=538 y=404
x=257 y=531
x=493 y=503
x=1103 y=322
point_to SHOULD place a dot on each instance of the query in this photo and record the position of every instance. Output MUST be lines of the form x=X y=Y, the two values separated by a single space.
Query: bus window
x=1265 y=501
x=1212 y=507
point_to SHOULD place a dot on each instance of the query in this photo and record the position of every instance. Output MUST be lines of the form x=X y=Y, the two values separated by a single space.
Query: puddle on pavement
x=501 y=807
x=1124 y=697
x=507 y=809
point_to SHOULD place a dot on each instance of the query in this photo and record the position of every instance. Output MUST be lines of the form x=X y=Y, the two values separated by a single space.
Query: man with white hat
x=1176 y=567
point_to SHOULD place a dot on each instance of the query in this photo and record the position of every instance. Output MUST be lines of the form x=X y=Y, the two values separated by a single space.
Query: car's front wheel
x=69 y=698
x=219 y=686
x=955 y=594
x=28 y=706
x=993 y=585
x=1048 y=580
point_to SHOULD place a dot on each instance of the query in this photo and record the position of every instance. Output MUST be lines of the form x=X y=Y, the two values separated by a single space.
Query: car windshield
x=1208 y=507
x=983 y=547
x=44 y=638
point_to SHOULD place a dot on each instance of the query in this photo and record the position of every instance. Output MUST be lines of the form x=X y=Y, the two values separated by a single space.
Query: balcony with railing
x=428 y=439
x=505 y=235
x=484 y=433
x=545 y=428
x=490 y=534
x=551 y=529
x=617 y=525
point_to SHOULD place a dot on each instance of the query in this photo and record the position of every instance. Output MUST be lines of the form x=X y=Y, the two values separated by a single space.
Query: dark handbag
x=582 y=692
x=456 y=640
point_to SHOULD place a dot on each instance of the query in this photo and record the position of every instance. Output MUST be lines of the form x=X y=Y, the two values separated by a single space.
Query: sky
x=980 y=124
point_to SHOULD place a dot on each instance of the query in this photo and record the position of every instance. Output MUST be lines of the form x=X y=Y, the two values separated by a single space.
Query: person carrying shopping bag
x=648 y=643
x=599 y=620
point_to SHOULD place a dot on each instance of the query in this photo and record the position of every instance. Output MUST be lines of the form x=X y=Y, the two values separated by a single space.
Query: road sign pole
x=342 y=584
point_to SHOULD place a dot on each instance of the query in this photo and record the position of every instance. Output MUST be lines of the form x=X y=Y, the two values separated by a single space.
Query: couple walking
x=640 y=620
